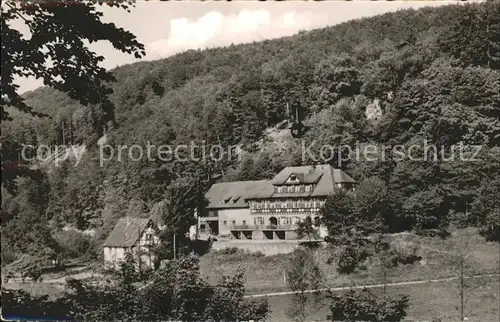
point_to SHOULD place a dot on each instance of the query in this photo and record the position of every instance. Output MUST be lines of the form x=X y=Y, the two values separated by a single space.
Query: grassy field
x=428 y=301
x=267 y=273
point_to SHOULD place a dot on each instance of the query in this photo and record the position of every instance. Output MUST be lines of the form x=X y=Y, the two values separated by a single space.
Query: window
x=149 y=239
x=258 y=221
x=234 y=222
x=225 y=222
x=244 y=222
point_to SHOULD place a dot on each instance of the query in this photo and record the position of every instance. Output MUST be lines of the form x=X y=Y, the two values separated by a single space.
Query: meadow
x=429 y=302
x=267 y=273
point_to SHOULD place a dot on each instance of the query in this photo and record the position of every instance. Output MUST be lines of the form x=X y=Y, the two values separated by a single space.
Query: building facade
x=271 y=209
x=135 y=235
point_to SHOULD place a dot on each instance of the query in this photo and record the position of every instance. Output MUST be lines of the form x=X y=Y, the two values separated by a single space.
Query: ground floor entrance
x=208 y=227
x=264 y=234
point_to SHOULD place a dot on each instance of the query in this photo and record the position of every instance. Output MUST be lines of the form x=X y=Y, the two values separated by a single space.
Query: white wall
x=239 y=216
x=113 y=256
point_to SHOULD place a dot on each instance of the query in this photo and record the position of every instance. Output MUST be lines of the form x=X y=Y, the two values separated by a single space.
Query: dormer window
x=235 y=199
x=226 y=200
x=293 y=177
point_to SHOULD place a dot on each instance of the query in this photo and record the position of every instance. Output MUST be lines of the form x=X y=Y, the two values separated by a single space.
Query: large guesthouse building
x=271 y=209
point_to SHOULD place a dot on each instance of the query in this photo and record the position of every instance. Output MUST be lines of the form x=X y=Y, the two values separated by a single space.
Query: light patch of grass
x=427 y=301
x=266 y=273
x=39 y=289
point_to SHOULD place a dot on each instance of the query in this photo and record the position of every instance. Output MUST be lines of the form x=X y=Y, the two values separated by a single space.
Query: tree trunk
x=462 y=286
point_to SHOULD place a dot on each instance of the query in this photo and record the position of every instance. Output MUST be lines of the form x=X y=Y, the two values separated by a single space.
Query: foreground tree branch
x=55 y=49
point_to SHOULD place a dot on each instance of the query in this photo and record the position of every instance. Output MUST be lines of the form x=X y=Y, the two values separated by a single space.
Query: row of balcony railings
x=263 y=227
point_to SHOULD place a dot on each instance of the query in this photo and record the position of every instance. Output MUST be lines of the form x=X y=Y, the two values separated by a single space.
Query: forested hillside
x=433 y=74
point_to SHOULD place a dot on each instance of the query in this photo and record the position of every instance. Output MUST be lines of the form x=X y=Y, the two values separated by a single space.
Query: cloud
x=216 y=29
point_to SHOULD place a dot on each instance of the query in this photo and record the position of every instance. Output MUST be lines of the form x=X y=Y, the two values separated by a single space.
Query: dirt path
x=345 y=288
x=81 y=273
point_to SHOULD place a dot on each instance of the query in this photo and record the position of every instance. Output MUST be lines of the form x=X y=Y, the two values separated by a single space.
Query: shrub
x=235 y=251
x=73 y=243
x=7 y=256
x=365 y=306
x=229 y=251
x=490 y=228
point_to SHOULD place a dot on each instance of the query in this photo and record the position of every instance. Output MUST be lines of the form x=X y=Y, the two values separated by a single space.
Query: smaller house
x=135 y=235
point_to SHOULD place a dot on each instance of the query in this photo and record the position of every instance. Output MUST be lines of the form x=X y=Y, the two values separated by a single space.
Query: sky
x=167 y=28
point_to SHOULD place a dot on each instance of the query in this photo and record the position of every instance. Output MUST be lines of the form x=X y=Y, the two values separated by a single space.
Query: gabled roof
x=234 y=194
x=324 y=176
x=312 y=174
x=127 y=232
x=328 y=182
x=305 y=175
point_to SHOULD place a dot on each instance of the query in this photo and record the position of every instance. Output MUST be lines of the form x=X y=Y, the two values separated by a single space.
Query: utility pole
x=175 y=252
x=461 y=290
x=139 y=248
x=63 y=138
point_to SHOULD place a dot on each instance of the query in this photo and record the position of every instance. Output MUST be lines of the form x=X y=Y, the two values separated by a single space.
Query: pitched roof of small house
x=127 y=232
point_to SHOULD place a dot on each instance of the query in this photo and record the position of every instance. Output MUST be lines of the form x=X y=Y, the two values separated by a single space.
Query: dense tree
x=422 y=75
x=177 y=292
x=484 y=24
x=303 y=275
x=334 y=78
x=485 y=209
x=52 y=26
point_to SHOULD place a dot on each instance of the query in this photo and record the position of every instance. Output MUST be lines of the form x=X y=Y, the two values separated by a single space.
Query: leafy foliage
x=418 y=64
x=53 y=26
x=29 y=266
x=365 y=306
x=307 y=229
x=177 y=292
x=486 y=209
x=351 y=221
x=302 y=275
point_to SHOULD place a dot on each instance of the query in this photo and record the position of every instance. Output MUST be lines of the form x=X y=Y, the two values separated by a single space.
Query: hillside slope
x=433 y=72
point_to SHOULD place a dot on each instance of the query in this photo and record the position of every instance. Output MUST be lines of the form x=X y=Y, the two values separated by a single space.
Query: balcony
x=262 y=227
